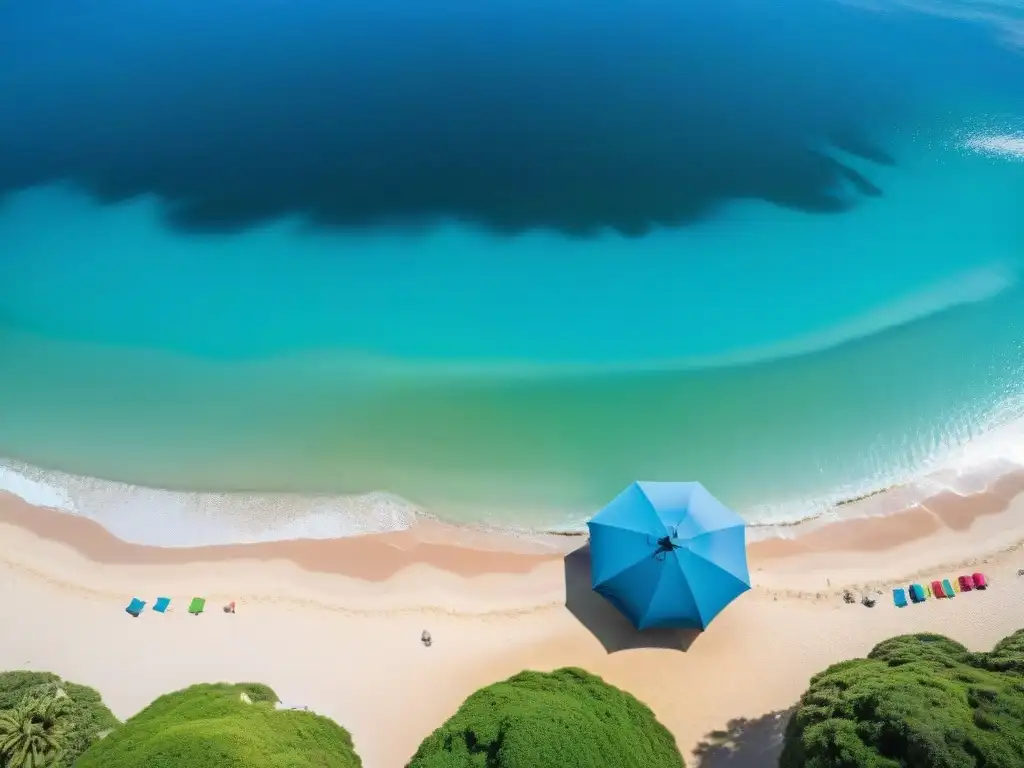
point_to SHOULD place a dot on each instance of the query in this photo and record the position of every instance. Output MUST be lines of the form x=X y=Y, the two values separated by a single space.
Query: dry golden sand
x=335 y=625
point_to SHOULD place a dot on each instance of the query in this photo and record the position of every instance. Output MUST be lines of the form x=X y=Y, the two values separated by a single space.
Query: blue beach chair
x=160 y=606
x=899 y=597
x=917 y=593
x=135 y=607
x=948 y=588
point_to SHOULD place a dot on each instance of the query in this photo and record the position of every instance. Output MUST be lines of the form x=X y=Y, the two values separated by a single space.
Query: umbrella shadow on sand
x=604 y=621
x=744 y=743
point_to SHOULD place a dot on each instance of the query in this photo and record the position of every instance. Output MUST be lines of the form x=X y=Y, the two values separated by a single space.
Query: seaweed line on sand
x=540 y=606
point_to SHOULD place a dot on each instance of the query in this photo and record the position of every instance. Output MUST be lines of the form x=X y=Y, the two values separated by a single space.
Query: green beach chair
x=197 y=605
x=948 y=588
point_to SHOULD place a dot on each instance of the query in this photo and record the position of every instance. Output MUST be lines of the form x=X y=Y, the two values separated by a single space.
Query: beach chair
x=161 y=604
x=135 y=607
x=197 y=605
x=937 y=589
x=899 y=597
x=966 y=583
x=917 y=593
x=980 y=582
x=948 y=588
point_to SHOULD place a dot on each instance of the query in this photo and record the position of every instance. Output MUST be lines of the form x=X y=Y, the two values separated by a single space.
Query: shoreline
x=335 y=624
x=988 y=518
x=319 y=517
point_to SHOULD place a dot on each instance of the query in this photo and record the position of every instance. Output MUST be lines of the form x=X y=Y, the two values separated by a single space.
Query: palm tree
x=32 y=734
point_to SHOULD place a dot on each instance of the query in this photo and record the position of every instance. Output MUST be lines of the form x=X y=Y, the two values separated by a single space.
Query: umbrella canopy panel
x=668 y=554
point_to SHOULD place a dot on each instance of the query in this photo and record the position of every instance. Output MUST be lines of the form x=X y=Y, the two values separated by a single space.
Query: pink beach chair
x=966 y=583
x=980 y=582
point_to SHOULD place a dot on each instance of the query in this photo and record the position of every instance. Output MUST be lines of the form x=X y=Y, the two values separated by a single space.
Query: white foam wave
x=998 y=135
x=963 y=461
x=171 y=518
x=1006 y=146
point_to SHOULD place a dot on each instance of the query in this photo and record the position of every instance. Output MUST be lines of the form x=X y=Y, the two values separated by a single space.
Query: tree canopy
x=83 y=718
x=917 y=701
x=567 y=718
x=215 y=724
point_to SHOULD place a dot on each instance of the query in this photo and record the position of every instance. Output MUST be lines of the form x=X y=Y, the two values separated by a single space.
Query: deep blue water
x=514 y=116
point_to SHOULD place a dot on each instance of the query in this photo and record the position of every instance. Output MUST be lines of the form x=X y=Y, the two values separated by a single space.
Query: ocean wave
x=179 y=519
x=167 y=518
x=970 y=287
x=961 y=466
x=1006 y=146
x=1004 y=16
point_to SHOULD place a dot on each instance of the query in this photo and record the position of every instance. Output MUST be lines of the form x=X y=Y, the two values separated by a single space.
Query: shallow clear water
x=523 y=257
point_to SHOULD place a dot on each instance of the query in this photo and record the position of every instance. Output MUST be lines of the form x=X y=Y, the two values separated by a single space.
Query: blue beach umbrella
x=668 y=555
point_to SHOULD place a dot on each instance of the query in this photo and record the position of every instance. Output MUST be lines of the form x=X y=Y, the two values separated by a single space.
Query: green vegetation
x=61 y=719
x=31 y=735
x=917 y=701
x=564 y=718
x=213 y=724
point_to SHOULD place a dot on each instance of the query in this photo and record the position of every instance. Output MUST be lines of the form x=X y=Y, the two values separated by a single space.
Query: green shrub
x=87 y=717
x=14 y=686
x=917 y=701
x=210 y=725
x=565 y=719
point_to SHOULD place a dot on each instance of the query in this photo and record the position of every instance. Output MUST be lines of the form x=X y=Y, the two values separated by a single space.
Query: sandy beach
x=335 y=625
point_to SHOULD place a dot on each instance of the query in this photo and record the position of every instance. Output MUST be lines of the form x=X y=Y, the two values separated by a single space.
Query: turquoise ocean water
x=271 y=372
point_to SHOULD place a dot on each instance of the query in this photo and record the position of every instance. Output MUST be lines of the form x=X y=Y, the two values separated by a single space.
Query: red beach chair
x=937 y=589
x=980 y=582
x=966 y=583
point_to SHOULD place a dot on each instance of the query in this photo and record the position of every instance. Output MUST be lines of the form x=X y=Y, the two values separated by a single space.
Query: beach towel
x=980 y=582
x=917 y=593
x=899 y=597
x=937 y=589
x=197 y=605
x=966 y=583
x=161 y=604
x=135 y=607
x=948 y=588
